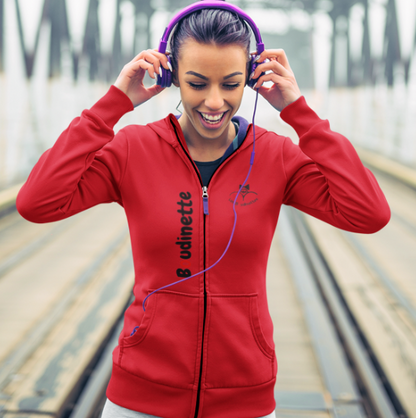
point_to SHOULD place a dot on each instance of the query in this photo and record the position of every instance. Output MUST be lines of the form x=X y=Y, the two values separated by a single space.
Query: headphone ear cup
x=252 y=66
x=166 y=79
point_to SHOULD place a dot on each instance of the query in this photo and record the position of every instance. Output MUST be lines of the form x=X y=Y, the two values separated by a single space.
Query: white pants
x=111 y=410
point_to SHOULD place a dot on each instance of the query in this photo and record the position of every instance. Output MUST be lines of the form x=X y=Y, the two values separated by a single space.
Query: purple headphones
x=166 y=79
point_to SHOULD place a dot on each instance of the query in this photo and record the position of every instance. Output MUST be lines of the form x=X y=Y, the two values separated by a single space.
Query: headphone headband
x=214 y=4
x=165 y=79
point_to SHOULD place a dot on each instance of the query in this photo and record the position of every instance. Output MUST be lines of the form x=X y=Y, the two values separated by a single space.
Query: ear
x=175 y=80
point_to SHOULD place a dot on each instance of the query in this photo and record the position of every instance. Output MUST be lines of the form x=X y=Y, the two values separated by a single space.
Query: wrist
x=123 y=90
x=112 y=106
x=292 y=99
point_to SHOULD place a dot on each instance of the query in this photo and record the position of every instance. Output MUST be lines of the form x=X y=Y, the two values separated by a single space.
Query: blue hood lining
x=242 y=131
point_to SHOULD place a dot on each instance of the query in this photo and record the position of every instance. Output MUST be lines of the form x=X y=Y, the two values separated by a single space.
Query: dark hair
x=210 y=26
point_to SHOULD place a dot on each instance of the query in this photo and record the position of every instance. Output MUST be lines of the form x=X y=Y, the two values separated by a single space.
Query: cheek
x=237 y=96
x=190 y=98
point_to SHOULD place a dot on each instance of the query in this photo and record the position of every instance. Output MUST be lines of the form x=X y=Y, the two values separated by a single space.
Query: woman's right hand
x=130 y=79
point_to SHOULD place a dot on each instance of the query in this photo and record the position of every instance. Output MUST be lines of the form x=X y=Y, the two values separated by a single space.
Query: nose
x=214 y=99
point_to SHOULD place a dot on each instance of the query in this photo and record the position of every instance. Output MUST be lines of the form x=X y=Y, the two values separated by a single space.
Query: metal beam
x=58 y=17
x=1 y=36
x=91 y=46
x=391 y=38
x=117 y=63
x=366 y=61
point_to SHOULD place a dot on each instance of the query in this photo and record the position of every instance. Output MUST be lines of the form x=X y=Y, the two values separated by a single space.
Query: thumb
x=155 y=89
x=263 y=91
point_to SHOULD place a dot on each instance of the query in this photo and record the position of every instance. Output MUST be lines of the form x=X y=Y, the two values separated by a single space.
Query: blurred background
x=343 y=305
x=57 y=57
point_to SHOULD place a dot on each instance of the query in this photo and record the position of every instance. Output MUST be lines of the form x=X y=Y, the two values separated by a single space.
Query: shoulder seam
x=281 y=156
x=87 y=113
x=127 y=160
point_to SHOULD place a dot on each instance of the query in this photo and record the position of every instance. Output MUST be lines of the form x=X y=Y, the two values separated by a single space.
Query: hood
x=165 y=128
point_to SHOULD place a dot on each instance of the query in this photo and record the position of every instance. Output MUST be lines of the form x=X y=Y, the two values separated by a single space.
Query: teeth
x=212 y=118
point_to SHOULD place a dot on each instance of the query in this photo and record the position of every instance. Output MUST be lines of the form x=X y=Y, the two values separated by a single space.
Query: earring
x=180 y=101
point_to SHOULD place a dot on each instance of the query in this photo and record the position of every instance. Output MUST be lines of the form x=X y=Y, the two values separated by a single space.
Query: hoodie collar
x=170 y=130
x=242 y=132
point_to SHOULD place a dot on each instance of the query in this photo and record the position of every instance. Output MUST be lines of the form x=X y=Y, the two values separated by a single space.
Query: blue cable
x=235 y=218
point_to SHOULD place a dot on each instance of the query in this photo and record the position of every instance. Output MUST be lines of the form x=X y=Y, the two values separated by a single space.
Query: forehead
x=194 y=54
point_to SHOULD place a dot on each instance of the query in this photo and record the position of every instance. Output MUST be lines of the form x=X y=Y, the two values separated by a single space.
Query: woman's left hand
x=285 y=89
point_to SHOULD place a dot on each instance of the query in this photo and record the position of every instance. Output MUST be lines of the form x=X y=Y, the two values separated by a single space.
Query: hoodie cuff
x=300 y=116
x=112 y=106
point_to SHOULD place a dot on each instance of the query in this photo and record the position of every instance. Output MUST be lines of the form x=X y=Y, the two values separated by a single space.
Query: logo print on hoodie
x=184 y=241
x=245 y=198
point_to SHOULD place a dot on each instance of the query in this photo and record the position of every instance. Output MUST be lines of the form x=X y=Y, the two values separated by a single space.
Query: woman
x=204 y=346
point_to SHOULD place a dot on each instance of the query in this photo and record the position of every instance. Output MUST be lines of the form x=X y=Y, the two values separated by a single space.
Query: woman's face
x=211 y=79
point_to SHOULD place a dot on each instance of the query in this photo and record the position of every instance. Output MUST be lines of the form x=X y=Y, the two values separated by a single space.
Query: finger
x=282 y=58
x=150 y=56
x=263 y=91
x=273 y=66
x=271 y=53
x=278 y=54
x=162 y=58
x=155 y=89
x=142 y=64
x=135 y=67
x=276 y=79
x=141 y=55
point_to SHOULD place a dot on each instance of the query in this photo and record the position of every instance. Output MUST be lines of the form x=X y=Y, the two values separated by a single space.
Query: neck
x=203 y=149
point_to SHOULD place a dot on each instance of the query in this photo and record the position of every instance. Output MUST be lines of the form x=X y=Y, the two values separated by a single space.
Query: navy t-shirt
x=207 y=168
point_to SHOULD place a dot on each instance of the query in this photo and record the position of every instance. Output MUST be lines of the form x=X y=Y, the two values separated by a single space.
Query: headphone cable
x=235 y=215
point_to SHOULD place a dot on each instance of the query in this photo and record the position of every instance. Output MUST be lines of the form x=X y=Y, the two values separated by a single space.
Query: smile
x=212 y=119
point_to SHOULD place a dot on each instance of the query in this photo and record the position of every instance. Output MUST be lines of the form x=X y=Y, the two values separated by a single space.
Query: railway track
x=375 y=397
x=60 y=298
x=376 y=277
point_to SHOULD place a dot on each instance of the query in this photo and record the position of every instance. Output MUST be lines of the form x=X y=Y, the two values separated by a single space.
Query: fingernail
x=170 y=67
x=254 y=86
x=251 y=75
x=160 y=71
x=257 y=58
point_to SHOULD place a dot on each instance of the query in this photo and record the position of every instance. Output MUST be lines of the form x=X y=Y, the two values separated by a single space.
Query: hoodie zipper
x=205 y=199
x=206 y=212
x=205 y=205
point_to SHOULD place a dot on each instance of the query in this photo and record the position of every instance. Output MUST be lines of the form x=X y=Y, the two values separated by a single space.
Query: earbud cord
x=235 y=215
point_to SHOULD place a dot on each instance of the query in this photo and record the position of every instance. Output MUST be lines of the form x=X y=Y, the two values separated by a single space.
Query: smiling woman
x=218 y=71
x=211 y=80
x=202 y=346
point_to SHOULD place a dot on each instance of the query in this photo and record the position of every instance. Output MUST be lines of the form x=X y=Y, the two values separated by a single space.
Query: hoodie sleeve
x=84 y=167
x=326 y=178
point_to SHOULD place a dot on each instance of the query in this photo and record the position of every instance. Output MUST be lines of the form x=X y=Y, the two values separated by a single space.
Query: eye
x=231 y=86
x=196 y=86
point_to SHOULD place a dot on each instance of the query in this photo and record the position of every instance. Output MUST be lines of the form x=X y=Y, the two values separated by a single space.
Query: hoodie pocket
x=238 y=353
x=163 y=349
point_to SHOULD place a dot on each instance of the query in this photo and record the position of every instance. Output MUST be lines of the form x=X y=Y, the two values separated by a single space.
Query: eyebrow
x=232 y=75
x=206 y=78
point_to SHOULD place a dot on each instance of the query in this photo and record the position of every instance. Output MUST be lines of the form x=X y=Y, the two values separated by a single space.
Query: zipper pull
x=134 y=330
x=205 y=199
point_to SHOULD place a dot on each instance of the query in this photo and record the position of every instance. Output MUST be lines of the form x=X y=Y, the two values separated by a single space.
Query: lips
x=212 y=119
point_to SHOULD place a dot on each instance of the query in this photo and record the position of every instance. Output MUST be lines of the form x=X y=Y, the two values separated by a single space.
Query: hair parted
x=210 y=26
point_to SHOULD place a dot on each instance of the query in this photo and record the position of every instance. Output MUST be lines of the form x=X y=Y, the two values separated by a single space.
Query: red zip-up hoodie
x=204 y=344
